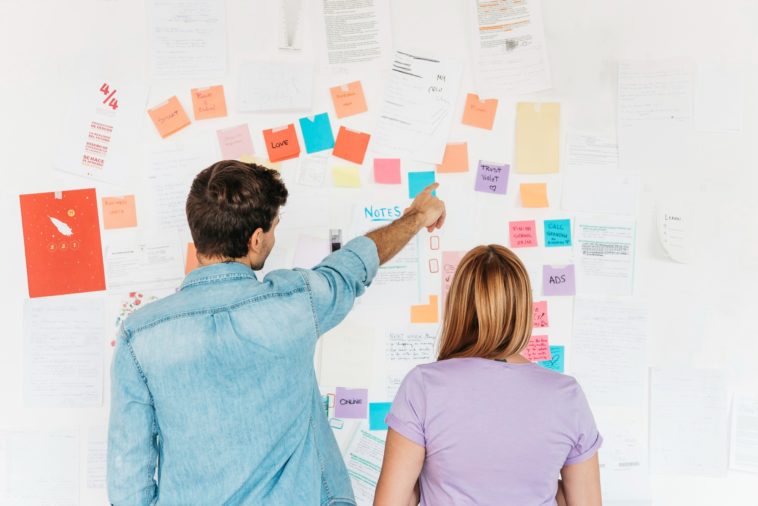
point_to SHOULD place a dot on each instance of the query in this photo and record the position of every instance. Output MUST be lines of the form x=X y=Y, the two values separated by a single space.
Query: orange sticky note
x=533 y=194
x=209 y=102
x=191 y=263
x=456 y=158
x=348 y=99
x=169 y=117
x=119 y=212
x=479 y=113
x=281 y=143
x=351 y=145
x=425 y=313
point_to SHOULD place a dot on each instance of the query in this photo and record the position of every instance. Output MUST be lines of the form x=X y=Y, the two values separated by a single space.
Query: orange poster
x=62 y=242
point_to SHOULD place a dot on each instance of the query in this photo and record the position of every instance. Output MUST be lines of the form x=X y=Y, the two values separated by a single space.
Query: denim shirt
x=214 y=395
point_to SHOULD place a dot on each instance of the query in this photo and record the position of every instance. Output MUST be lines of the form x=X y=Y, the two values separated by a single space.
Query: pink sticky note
x=539 y=318
x=558 y=280
x=351 y=403
x=450 y=261
x=387 y=170
x=235 y=142
x=523 y=234
x=537 y=349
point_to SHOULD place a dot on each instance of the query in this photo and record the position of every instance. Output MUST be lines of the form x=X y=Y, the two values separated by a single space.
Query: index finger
x=431 y=187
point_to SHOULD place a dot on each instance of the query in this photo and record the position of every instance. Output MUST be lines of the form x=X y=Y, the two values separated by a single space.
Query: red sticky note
x=479 y=113
x=539 y=314
x=281 y=143
x=169 y=117
x=348 y=99
x=534 y=194
x=119 y=212
x=209 y=102
x=351 y=145
x=523 y=234
x=62 y=242
x=455 y=159
x=537 y=349
x=387 y=170
x=191 y=262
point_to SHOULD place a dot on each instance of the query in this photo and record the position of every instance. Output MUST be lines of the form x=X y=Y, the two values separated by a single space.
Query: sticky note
x=191 y=263
x=537 y=349
x=169 y=117
x=539 y=314
x=557 y=233
x=351 y=145
x=558 y=280
x=346 y=177
x=479 y=113
x=351 y=403
x=387 y=170
x=317 y=132
x=417 y=181
x=523 y=234
x=235 y=142
x=281 y=143
x=209 y=102
x=455 y=159
x=348 y=99
x=377 y=412
x=556 y=361
x=450 y=261
x=537 y=137
x=119 y=212
x=492 y=177
x=425 y=313
x=533 y=194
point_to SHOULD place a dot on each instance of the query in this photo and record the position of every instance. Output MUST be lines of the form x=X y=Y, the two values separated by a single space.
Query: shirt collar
x=225 y=271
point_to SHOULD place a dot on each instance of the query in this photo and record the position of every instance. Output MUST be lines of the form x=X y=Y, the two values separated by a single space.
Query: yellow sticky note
x=346 y=177
x=425 y=313
x=119 y=212
x=533 y=194
x=537 y=137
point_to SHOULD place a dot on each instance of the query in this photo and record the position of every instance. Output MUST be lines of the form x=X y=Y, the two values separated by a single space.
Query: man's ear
x=256 y=241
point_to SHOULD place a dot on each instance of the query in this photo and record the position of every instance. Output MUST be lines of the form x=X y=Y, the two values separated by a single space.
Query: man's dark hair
x=228 y=201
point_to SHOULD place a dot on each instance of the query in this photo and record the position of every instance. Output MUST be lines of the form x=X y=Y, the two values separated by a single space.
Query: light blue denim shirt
x=214 y=394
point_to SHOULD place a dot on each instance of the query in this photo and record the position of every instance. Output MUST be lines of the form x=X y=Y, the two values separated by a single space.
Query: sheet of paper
x=418 y=181
x=492 y=177
x=523 y=234
x=290 y=31
x=348 y=99
x=187 y=38
x=351 y=403
x=537 y=349
x=479 y=113
x=355 y=33
x=417 y=109
x=149 y=263
x=281 y=143
x=351 y=145
x=275 y=86
x=688 y=421
x=235 y=142
x=63 y=352
x=450 y=261
x=363 y=459
x=377 y=412
x=407 y=347
x=208 y=102
x=41 y=468
x=119 y=212
x=426 y=313
x=557 y=233
x=604 y=249
x=625 y=441
x=102 y=125
x=719 y=98
x=169 y=117
x=539 y=314
x=317 y=132
x=313 y=170
x=346 y=177
x=97 y=447
x=743 y=454
x=455 y=158
x=538 y=137
x=62 y=242
x=533 y=195
x=671 y=221
x=387 y=170
x=510 y=53
x=345 y=355
x=310 y=251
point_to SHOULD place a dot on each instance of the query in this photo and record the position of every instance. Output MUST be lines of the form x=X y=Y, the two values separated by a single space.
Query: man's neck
x=205 y=261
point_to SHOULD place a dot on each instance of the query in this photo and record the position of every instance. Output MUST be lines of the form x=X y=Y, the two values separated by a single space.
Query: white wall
x=701 y=313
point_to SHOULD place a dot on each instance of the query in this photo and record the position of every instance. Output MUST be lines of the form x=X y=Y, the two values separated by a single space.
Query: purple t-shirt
x=494 y=432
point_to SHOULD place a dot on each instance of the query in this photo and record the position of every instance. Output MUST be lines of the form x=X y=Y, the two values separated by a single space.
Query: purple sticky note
x=492 y=177
x=351 y=403
x=558 y=280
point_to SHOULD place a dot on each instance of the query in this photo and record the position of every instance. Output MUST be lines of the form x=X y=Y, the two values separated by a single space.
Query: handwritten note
x=492 y=177
x=209 y=102
x=479 y=113
x=169 y=117
x=539 y=314
x=455 y=159
x=537 y=349
x=533 y=195
x=281 y=143
x=557 y=233
x=275 y=86
x=313 y=170
x=317 y=132
x=417 y=181
x=235 y=142
x=558 y=280
x=351 y=145
x=426 y=313
x=348 y=99
x=377 y=412
x=537 y=137
x=387 y=170
x=556 y=360
x=450 y=261
x=119 y=212
x=523 y=234
x=346 y=177
x=351 y=403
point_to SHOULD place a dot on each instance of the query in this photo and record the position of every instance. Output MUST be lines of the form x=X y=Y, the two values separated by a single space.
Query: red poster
x=62 y=242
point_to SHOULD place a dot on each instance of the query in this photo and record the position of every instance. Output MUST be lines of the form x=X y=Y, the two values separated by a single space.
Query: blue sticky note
x=417 y=181
x=377 y=412
x=317 y=132
x=555 y=363
x=557 y=233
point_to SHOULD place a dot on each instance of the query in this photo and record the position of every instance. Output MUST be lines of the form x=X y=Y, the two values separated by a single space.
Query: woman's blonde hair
x=488 y=311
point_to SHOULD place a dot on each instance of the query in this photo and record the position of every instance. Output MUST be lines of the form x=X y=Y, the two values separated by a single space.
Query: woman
x=483 y=425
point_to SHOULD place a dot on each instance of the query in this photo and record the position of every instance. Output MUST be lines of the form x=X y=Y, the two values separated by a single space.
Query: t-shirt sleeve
x=586 y=439
x=408 y=411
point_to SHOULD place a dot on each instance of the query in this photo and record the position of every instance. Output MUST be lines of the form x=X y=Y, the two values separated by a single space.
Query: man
x=214 y=397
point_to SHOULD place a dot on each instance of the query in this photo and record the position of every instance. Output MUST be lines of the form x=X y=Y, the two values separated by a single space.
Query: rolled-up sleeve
x=339 y=279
